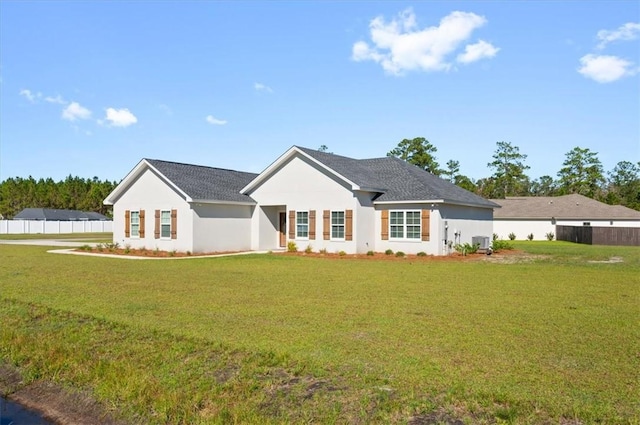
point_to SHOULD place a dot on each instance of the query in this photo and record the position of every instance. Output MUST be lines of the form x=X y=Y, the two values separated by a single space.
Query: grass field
x=91 y=237
x=552 y=338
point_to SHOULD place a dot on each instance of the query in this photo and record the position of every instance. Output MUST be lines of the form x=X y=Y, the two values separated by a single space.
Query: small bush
x=530 y=236
x=549 y=236
x=172 y=253
x=100 y=247
x=501 y=244
x=495 y=236
x=127 y=248
x=85 y=248
x=156 y=251
x=323 y=251
x=388 y=252
x=112 y=246
x=188 y=253
x=467 y=248
x=342 y=253
x=292 y=247
x=512 y=236
x=400 y=254
x=422 y=254
x=308 y=249
x=370 y=253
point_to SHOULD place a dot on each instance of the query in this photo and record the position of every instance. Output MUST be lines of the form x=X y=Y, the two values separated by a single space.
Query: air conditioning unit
x=482 y=241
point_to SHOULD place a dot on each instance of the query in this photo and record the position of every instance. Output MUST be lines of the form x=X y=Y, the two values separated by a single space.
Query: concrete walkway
x=76 y=244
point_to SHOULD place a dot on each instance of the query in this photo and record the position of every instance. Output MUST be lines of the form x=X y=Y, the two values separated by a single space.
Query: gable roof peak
x=397 y=180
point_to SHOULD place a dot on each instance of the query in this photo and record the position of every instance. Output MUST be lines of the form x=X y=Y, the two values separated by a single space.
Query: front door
x=283 y=229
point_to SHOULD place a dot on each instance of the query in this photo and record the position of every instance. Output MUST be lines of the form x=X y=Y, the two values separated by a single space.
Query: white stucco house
x=540 y=215
x=312 y=198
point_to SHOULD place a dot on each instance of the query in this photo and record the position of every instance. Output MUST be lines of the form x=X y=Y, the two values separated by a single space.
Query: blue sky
x=90 y=88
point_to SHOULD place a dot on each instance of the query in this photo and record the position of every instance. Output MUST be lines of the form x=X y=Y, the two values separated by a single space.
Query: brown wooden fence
x=629 y=236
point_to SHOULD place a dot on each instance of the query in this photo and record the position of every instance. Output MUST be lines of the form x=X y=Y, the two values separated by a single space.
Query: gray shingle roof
x=51 y=214
x=566 y=207
x=206 y=183
x=397 y=180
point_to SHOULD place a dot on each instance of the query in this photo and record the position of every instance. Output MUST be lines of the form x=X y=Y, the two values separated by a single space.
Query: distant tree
x=624 y=185
x=465 y=183
x=451 y=171
x=452 y=174
x=418 y=151
x=509 y=171
x=323 y=148
x=487 y=188
x=544 y=186
x=581 y=173
x=72 y=193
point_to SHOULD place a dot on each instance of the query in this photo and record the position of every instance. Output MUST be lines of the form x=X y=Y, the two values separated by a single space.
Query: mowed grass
x=92 y=237
x=270 y=338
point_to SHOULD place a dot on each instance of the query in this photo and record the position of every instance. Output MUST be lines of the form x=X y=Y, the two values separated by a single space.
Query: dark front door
x=283 y=229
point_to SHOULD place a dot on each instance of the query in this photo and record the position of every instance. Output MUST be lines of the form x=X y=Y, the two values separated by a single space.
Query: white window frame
x=337 y=225
x=300 y=225
x=168 y=236
x=404 y=226
x=136 y=234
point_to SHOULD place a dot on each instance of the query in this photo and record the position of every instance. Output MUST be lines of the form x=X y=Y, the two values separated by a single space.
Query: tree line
x=581 y=173
x=73 y=193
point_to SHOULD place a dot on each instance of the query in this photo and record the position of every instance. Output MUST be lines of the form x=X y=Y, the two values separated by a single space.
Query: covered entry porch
x=272 y=227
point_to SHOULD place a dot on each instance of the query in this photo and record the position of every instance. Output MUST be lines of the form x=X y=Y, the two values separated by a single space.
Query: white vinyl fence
x=54 y=227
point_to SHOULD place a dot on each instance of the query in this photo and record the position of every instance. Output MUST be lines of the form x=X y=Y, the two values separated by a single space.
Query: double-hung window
x=337 y=224
x=135 y=224
x=405 y=224
x=165 y=224
x=302 y=224
x=396 y=224
x=413 y=224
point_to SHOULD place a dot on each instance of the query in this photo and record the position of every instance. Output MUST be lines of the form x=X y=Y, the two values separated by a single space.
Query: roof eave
x=219 y=202
x=584 y=218
x=369 y=189
x=436 y=201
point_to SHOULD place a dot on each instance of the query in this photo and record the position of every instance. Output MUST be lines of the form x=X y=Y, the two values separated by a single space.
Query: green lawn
x=270 y=338
x=91 y=237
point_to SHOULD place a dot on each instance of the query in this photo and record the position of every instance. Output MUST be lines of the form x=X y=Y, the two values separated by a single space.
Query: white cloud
x=605 y=69
x=477 y=51
x=215 y=121
x=58 y=100
x=626 y=32
x=74 y=111
x=262 y=87
x=120 y=117
x=31 y=97
x=401 y=46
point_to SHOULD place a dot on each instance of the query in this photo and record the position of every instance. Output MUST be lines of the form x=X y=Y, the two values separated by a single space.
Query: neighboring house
x=540 y=215
x=50 y=214
x=309 y=197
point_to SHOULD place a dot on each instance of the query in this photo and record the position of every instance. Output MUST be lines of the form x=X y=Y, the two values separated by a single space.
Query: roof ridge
x=200 y=166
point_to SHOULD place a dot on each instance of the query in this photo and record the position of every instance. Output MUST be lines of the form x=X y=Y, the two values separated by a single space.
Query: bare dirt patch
x=612 y=260
x=54 y=402
x=514 y=257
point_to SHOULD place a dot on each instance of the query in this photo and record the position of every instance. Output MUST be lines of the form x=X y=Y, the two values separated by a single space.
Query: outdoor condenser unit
x=482 y=241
